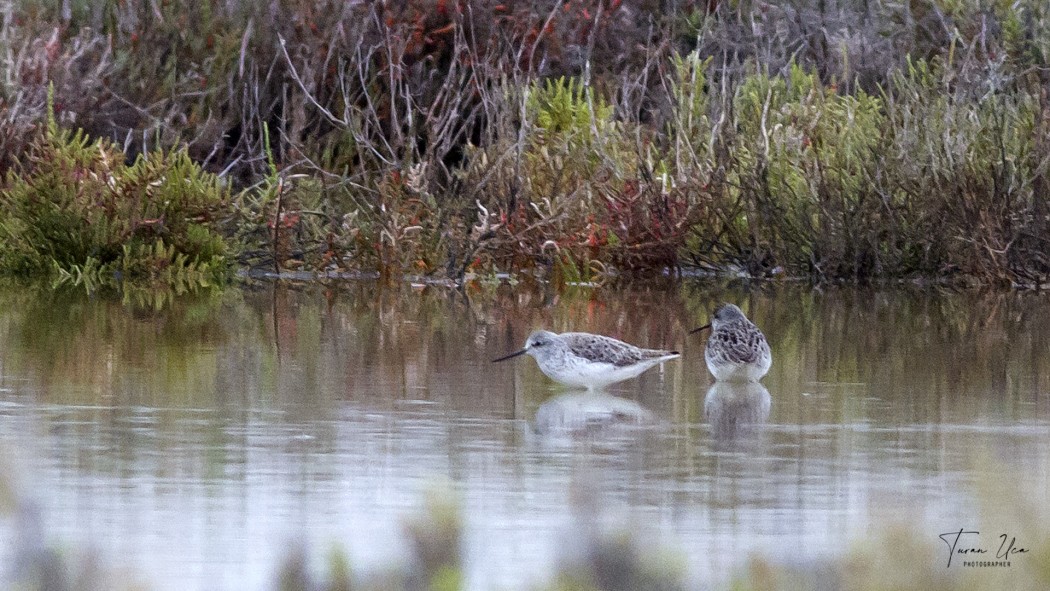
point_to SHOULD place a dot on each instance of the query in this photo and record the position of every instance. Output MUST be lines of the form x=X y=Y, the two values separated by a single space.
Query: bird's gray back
x=594 y=347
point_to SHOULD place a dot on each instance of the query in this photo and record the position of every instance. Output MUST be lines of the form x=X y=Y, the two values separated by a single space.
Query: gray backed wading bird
x=585 y=360
x=737 y=350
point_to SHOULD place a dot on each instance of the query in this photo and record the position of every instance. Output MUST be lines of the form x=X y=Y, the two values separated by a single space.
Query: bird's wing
x=593 y=347
x=743 y=346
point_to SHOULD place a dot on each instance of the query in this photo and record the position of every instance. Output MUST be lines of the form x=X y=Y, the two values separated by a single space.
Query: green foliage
x=557 y=138
x=577 y=194
x=566 y=106
x=690 y=128
x=831 y=185
x=75 y=210
x=805 y=165
x=571 y=138
x=961 y=162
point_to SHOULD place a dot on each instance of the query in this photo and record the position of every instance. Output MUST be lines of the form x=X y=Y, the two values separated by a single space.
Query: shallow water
x=193 y=440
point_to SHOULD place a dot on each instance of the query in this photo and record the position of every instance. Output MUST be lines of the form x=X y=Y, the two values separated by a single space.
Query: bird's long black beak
x=514 y=354
x=708 y=325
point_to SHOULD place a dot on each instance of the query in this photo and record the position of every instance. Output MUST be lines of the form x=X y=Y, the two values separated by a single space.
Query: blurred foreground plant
x=37 y=563
x=898 y=557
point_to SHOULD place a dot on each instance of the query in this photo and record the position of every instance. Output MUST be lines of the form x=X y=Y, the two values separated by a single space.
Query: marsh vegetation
x=829 y=140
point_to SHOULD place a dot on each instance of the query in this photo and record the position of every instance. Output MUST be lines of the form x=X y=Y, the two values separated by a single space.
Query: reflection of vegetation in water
x=866 y=356
x=98 y=350
x=913 y=348
x=362 y=341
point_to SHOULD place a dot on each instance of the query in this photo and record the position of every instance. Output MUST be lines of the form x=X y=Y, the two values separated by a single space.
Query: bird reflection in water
x=577 y=414
x=736 y=412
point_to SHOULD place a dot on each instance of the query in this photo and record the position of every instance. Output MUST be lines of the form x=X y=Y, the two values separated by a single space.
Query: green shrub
x=929 y=177
x=804 y=170
x=76 y=211
x=580 y=190
x=852 y=142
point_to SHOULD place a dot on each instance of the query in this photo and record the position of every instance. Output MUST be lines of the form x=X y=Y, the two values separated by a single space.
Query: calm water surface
x=192 y=441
